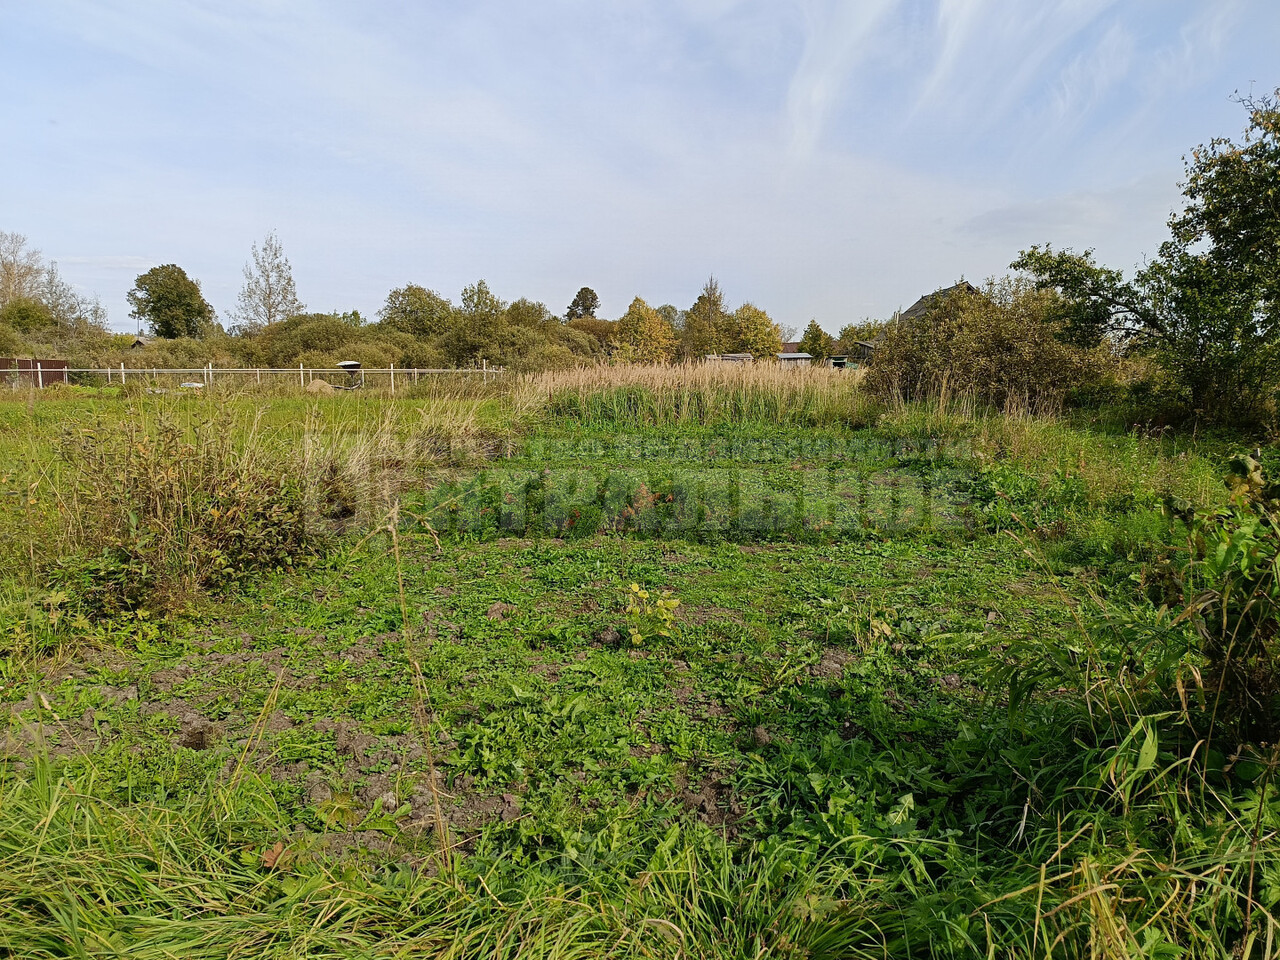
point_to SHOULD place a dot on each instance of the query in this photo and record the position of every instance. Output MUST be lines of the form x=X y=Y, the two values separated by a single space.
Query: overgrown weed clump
x=154 y=501
x=156 y=516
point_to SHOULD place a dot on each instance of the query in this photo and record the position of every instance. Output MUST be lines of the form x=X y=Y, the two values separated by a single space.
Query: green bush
x=1000 y=345
x=1230 y=584
x=179 y=353
x=9 y=339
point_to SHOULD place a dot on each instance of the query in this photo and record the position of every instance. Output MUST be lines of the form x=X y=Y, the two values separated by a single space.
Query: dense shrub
x=160 y=516
x=1000 y=345
x=1229 y=583
x=9 y=339
x=180 y=353
x=281 y=344
x=548 y=356
x=26 y=315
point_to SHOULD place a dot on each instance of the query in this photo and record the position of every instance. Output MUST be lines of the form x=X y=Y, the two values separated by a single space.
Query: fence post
x=258 y=372
x=301 y=378
x=393 y=379
x=39 y=375
x=122 y=372
x=108 y=375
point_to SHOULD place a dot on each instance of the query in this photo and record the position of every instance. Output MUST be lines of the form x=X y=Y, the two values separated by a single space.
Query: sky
x=822 y=159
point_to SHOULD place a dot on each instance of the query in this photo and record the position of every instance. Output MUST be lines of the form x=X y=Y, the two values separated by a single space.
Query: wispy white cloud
x=1196 y=51
x=109 y=262
x=1091 y=74
x=990 y=55
x=958 y=22
x=836 y=35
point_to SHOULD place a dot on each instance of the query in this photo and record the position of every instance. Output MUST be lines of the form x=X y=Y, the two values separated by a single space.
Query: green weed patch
x=470 y=729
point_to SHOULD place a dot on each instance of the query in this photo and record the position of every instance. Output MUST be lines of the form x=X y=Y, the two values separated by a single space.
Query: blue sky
x=827 y=160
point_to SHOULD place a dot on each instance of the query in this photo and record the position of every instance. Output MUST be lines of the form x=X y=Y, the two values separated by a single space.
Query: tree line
x=415 y=326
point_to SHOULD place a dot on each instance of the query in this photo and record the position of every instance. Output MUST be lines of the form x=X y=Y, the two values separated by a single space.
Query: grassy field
x=631 y=664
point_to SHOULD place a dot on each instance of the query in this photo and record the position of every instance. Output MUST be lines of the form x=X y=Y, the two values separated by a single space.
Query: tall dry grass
x=696 y=393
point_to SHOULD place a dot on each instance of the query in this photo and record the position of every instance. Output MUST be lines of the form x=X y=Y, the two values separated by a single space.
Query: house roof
x=795 y=356
x=792 y=346
x=921 y=306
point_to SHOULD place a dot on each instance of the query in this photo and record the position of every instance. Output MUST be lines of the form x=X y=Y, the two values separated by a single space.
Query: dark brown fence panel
x=19 y=370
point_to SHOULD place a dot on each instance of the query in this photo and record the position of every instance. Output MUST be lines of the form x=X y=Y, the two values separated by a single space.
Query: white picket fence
x=206 y=376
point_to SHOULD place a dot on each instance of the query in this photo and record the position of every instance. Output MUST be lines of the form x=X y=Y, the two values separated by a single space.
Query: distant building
x=795 y=358
x=921 y=306
x=139 y=342
x=864 y=350
x=729 y=358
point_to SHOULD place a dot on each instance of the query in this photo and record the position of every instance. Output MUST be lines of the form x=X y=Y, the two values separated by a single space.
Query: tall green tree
x=754 y=332
x=1208 y=307
x=585 y=304
x=706 y=324
x=417 y=311
x=26 y=315
x=644 y=335
x=817 y=342
x=478 y=327
x=170 y=303
x=1232 y=211
x=529 y=314
x=673 y=315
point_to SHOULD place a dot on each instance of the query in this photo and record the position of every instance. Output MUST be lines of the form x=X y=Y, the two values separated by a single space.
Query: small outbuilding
x=795 y=359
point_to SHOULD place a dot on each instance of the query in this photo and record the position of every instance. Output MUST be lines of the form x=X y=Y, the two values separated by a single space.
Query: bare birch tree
x=21 y=269
x=268 y=294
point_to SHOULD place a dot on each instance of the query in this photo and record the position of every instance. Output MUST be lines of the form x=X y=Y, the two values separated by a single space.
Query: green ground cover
x=877 y=724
